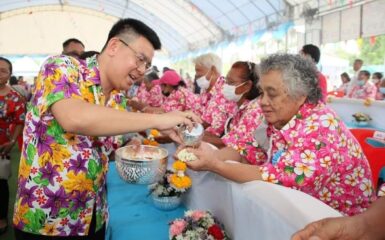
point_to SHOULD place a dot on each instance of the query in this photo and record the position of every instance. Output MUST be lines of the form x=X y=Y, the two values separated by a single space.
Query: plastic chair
x=375 y=153
x=336 y=94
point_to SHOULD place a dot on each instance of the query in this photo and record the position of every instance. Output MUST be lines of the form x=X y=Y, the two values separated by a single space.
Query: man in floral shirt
x=62 y=174
x=311 y=150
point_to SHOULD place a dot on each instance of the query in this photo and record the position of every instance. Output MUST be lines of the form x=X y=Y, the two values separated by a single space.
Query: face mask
x=382 y=90
x=361 y=82
x=228 y=92
x=375 y=80
x=203 y=82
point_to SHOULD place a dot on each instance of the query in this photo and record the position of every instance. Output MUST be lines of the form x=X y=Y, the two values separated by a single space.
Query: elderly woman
x=311 y=150
x=241 y=87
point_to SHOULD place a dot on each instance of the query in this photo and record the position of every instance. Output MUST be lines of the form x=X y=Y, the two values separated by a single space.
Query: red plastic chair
x=374 y=154
x=336 y=93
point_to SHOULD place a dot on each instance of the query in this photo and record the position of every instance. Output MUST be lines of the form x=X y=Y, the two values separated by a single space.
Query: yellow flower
x=87 y=94
x=44 y=158
x=367 y=102
x=77 y=182
x=154 y=132
x=180 y=182
x=49 y=229
x=59 y=153
x=179 y=166
x=24 y=168
x=20 y=211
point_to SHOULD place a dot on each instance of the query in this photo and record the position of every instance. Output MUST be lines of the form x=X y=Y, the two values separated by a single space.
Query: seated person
x=381 y=88
x=364 y=89
x=310 y=149
x=377 y=78
x=345 y=79
x=241 y=87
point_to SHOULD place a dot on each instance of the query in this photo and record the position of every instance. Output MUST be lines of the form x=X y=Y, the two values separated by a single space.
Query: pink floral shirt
x=316 y=154
x=154 y=97
x=181 y=99
x=364 y=92
x=217 y=109
x=241 y=132
x=381 y=191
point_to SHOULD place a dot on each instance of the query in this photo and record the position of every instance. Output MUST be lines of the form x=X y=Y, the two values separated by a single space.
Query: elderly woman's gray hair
x=208 y=60
x=299 y=75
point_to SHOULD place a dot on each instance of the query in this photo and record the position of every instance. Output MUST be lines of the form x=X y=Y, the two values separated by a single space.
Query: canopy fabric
x=40 y=26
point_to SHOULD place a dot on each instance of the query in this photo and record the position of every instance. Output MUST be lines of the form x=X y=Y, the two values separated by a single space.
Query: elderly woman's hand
x=6 y=147
x=207 y=159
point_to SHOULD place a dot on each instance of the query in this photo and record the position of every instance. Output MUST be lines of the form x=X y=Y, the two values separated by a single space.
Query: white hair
x=208 y=60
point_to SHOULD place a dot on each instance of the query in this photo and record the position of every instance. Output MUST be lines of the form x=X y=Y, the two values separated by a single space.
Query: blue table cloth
x=132 y=214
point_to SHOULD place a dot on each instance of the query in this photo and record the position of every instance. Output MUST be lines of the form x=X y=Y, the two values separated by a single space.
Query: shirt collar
x=91 y=71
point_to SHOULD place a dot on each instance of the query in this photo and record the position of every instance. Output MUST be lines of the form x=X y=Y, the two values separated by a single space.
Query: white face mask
x=228 y=92
x=203 y=82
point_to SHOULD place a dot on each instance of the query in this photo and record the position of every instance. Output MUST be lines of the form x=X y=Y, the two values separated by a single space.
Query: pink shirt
x=241 y=132
x=217 y=109
x=364 y=92
x=180 y=99
x=316 y=154
x=154 y=97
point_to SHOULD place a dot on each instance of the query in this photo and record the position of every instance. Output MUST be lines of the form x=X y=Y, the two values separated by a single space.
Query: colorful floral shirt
x=12 y=111
x=204 y=97
x=368 y=90
x=218 y=109
x=241 y=130
x=180 y=99
x=154 y=97
x=62 y=176
x=316 y=154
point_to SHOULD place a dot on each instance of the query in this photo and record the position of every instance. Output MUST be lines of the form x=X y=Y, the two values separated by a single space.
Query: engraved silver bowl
x=192 y=138
x=141 y=164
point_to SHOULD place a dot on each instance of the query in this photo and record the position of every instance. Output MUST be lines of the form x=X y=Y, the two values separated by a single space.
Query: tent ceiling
x=40 y=26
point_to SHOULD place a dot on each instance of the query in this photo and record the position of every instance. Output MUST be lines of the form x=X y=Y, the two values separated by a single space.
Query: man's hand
x=6 y=147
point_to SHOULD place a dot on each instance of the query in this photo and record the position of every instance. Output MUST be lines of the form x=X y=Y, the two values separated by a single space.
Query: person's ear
x=112 y=46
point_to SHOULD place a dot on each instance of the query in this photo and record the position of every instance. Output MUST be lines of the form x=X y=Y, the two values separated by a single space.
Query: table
x=255 y=210
x=132 y=215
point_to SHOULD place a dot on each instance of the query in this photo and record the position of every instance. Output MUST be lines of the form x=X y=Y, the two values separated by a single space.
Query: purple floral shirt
x=242 y=127
x=216 y=109
x=62 y=176
x=316 y=154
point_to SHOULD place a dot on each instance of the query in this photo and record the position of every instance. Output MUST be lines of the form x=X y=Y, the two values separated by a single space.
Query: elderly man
x=310 y=150
x=74 y=109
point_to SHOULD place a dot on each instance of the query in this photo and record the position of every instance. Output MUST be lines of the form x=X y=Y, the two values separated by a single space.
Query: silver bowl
x=141 y=165
x=192 y=138
x=166 y=203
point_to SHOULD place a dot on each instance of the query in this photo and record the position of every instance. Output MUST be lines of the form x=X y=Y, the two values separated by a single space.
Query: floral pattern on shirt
x=364 y=92
x=316 y=154
x=154 y=97
x=180 y=99
x=62 y=176
x=12 y=111
x=217 y=109
x=241 y=132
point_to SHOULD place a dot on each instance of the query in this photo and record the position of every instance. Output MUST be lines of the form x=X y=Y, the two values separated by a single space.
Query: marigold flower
x=180 y=182
x=179 y=166
x=154 y=132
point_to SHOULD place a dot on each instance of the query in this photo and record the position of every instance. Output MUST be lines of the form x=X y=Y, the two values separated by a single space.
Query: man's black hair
x=68 y=41
x=313 y=51
x=130 y=25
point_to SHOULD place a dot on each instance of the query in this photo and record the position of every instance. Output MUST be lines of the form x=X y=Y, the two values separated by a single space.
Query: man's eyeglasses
x=140 y=59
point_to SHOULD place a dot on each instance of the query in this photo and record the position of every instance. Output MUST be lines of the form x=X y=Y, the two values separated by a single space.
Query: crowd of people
x=269 y=117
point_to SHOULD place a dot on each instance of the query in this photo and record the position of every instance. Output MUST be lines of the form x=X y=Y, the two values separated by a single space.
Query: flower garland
x=150 y=140
x=179 y=180
x=197 y=225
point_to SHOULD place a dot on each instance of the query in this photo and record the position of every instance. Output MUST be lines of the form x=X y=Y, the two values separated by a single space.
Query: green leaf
x=35 y=220
x=54 y=97
x=74 y=215
x=44 y=182
x=300 y=179
x=56 y=131
x=289 y=169
x=63 y=212
x=37 y=179
x=31 y=152
x=93 y=169
x=298 y=116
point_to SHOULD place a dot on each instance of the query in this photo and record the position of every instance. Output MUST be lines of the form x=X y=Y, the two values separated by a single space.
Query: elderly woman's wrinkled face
x=277 y=106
